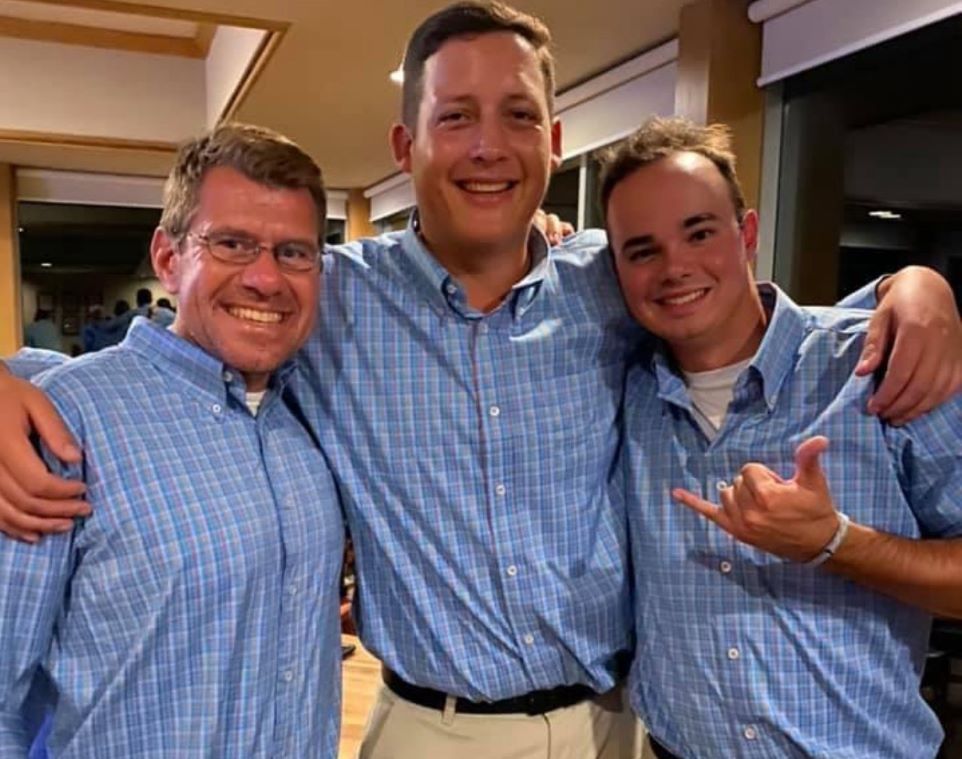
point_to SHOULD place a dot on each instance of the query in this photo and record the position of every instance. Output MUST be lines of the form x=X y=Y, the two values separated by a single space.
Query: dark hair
x=260 y=154
x=659 y=138
x=121 y=307
x=42 y=313
x=165 y=303
x=469 y=19
x=144 y=297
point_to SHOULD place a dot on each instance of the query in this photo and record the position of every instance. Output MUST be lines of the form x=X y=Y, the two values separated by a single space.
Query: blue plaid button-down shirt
x=474 y=454
x=196 y=612
x=740 y=653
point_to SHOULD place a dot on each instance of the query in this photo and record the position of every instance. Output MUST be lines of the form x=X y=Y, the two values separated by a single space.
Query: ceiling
x=326 y=85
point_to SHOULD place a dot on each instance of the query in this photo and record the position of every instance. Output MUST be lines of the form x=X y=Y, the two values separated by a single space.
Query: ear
x=401 y=142
x=750 y=234
x=555 y=144
x=166 y=260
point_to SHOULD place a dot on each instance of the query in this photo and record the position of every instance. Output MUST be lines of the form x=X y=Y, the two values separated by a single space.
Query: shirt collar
x=773 y=361
x=444 y=289
x=777 y=353
x=190 y=364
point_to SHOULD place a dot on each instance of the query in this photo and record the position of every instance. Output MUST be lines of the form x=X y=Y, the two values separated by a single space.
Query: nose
x=677 y=262
x=263 y=275
x=491 y=141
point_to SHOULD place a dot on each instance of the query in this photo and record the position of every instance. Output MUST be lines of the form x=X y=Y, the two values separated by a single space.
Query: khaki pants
x=603 y=728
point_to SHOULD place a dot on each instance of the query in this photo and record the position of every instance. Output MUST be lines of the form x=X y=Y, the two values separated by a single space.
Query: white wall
x=801 y=35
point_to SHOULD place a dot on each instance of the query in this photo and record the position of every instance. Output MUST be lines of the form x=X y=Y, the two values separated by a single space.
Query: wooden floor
x=362 y=678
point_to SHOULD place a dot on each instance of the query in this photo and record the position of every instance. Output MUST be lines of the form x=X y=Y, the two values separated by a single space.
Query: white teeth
x=682 y=299
x=486 y=186
x=252 y=315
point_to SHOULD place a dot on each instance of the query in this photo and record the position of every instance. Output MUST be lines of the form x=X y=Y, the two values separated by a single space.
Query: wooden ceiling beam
x=111 y=39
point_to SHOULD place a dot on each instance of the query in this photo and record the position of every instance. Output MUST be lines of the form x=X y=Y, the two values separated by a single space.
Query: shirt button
x=529 y=639
x=500 y=489
x=494 y=411
x=734 y=653
x=750 y=733
x=721 y=485
x=725 y=567
x=228 y=376
x=483 y=328
x=216 y=408
x=450 y=289
x=512 y=570
x=288 y=675
x=292 y=589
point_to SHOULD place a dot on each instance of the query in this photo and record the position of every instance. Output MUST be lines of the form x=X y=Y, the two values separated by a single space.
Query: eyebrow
x=642 y=241
x=238 y=232
x=692 y=221
x=637 y=240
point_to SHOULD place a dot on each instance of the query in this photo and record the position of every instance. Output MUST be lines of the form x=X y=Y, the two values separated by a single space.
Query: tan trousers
x=603 y=728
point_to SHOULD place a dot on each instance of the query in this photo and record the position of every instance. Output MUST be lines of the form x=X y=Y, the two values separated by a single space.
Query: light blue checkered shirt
x=740 y=653
x=196 y=612
x=474 y=454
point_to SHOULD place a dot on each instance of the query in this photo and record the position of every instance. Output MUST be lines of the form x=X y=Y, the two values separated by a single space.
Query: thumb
x=808 y=470
x=876 y=339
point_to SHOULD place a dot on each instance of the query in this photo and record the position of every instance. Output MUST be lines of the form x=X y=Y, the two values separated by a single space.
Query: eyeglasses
x=240 y=251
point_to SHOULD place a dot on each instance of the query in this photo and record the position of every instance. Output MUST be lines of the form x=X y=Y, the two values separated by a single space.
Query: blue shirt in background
x=195 y=613
x=43 y=334
x=741 y=653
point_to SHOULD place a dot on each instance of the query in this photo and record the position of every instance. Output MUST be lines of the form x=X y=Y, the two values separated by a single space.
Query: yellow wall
x=11 y=329
x=719 y=62
x=358 y=216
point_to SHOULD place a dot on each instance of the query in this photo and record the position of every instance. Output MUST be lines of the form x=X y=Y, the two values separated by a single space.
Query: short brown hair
x=470 y=19
x=659 y=138
x=260 y=154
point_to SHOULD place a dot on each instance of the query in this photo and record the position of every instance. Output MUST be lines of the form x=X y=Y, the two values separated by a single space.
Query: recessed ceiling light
x=397 y=76
x=46 y=265
x=885 y=214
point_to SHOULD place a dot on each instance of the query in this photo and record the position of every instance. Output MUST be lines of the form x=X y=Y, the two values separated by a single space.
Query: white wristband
x=832 y=546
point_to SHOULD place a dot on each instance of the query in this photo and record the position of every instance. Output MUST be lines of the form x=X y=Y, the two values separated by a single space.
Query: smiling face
x=484 y=146
x=684 y=260
x=251 y=317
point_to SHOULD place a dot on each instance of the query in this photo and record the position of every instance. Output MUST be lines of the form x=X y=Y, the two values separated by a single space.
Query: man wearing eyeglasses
x=196 y=612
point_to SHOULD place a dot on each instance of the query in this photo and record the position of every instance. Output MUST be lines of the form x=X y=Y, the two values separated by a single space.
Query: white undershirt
x=253 y=401
x=710 y=394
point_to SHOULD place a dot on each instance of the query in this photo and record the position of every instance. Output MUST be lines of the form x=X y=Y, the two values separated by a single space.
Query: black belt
x=660 y=751
x=536 y=702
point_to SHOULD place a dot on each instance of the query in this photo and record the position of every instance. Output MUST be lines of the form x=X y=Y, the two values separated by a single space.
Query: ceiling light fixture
x=397 y=76
x=47 y=265
x=885 y=215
